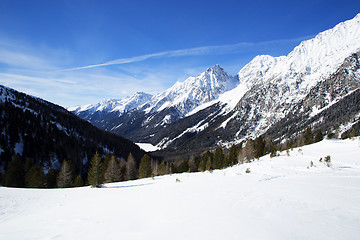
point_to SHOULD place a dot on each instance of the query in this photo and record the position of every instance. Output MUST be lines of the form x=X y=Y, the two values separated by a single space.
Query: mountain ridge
x=268 y=90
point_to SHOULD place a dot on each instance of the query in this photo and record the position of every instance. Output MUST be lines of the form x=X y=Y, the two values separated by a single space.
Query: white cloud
x=205 y=50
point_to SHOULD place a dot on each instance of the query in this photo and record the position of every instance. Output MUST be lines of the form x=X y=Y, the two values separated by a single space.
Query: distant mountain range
x=317 y=85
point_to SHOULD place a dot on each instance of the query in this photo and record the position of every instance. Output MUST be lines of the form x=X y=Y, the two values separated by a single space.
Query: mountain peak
x=194 y=91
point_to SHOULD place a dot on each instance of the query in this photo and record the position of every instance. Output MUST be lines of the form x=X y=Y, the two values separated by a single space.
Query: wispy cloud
x=198 y=51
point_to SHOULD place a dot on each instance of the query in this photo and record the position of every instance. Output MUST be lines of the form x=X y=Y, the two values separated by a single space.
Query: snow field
x=281 y=198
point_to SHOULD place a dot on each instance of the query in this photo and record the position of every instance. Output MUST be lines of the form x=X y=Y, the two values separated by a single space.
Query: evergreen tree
x=218 y=158
x=95 y=171
x=162 y=168
x=233 y=153
x=122 y=167
x=131 y=171
x=182 y=167
x=145 y=167
x=208 y=164
x=259 y=147
x=308 y=136
x=202 y=165
x=50 y=178
x=78 y=182
x=15 y=174
x=154 y=168
x=318 y=136
x=192 y=164
x=64 y=178
x=112 y=173
x=34 y=177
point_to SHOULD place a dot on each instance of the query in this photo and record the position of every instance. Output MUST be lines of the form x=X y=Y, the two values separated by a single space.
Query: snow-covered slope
x=281 y=198
x=310 y=62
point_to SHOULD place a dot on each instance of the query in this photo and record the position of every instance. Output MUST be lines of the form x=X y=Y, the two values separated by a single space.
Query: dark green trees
x=145 y=167
x=34 y=177
x=308 y=136
x=318 y=136
x=259 y=147
x=15 y=173
x=64 y=178
x=78 y=182
x=162 y=168
x=218 y=158
x=95 y=172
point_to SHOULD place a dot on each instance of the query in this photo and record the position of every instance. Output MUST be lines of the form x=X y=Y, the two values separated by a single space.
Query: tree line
x=111 y=168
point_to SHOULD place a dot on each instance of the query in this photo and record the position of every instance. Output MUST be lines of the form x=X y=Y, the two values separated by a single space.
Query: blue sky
x=76 y=52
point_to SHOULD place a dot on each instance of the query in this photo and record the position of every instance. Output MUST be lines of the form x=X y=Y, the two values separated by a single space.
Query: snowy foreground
x=281 y=198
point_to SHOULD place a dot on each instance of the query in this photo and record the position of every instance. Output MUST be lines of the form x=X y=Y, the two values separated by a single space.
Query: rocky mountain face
x=317 y=84
x=47 y=134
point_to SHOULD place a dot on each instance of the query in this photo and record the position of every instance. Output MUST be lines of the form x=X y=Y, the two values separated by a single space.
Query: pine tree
x=202 y=165
x=318 y=136
x=192 y=164
x=308 y=136
x=78 y=182
x=154 y=168
x=112 y=173
x=208 y=164
x=131 y=171
x=122 y=168
x=64 y=178
x=95 y=171
x=145 y=167
x=233 y=155
x=218 y=158
x=34 y=177
x=259 y=147
x=50 y=178
x=15 y=174
x=162 y=168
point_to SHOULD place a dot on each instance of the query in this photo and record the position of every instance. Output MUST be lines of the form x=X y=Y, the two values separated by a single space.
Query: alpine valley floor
x=281 y=198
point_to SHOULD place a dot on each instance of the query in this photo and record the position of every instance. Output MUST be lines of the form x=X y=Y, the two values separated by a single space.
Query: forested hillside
x=40 y=133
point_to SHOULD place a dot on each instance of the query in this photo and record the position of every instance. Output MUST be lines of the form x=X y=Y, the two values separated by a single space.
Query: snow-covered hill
x=281 y=198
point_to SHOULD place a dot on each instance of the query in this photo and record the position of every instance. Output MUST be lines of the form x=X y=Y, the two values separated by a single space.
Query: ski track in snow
x=279 y=199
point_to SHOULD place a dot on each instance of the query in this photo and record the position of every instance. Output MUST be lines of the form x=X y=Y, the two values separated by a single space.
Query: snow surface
x=281 y=198
x=147 y=147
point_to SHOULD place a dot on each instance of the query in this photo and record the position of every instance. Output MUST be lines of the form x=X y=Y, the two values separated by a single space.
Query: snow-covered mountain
x=161 y=109
x=112 y=105
x=274 y=91
x=319 y=76
x=194 y=91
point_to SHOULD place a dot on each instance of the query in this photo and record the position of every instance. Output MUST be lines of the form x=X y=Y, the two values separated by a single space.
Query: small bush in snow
x=328 y=160
x=247 y=170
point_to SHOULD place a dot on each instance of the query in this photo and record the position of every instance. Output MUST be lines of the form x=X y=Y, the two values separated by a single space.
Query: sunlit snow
x=281 y=198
